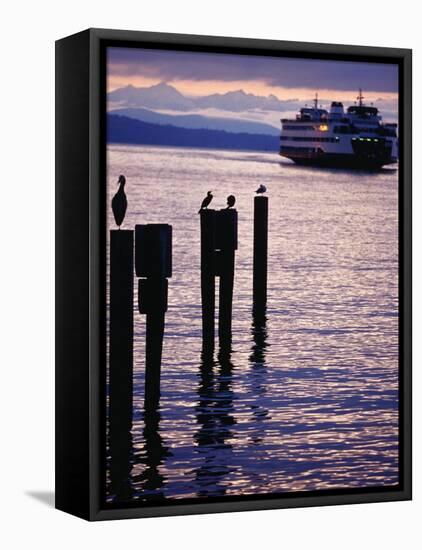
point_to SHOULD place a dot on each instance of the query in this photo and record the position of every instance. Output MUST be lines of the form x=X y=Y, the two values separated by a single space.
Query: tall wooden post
x=121 y=359
x=153 y=262
x=226 y=243
x=121 y=326
x=208 y=218
x=260 y=253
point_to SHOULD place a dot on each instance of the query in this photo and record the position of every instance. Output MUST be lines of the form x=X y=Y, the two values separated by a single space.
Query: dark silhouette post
x=121 y=324
x=208 y=273
x=226 y=244
x=260 y=254
x=121 y=358
x=153 y=262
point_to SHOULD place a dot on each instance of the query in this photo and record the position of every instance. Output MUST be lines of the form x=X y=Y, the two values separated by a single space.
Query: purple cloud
x=285 y=72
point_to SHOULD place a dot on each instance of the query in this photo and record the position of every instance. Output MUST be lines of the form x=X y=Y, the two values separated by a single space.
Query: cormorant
x=231 y=199
x=206 y=201
x=119 y=202
x=261 y=189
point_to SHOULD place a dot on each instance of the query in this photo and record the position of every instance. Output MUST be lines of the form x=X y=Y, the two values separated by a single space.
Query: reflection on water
x=216 y=421
x=150 y=480
x=258 y=374
x=120 y=463
x=307 y=398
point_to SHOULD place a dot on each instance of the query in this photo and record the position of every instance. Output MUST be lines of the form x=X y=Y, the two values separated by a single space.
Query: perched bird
x=261 y=189
x=231 y=199
x=119 y=202
x=206 y=201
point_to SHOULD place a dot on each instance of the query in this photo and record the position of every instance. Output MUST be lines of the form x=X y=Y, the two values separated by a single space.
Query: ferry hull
x=335 y=160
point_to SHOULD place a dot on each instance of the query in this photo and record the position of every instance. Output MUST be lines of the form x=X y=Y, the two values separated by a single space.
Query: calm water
x=308 y=400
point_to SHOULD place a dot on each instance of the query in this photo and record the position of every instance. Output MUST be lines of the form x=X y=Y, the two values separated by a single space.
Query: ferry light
x=323 y=128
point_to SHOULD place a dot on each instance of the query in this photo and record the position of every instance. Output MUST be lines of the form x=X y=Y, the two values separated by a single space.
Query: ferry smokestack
x=336 y=110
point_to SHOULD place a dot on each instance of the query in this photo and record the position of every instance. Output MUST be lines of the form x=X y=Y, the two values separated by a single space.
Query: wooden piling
x=153 y=302
x=121 y=329
x=226 y=297
x=208 y=218
x=153 y=262
x=226 y=243
x=260 y=253
x=121 y=361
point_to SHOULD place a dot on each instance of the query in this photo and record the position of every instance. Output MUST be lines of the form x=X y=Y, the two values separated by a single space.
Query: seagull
x=119 y=202
x=231 y=199
x=206 y=201
x=261 y=189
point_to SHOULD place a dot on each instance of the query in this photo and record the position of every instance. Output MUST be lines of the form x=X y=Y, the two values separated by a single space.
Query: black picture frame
x=80 y=268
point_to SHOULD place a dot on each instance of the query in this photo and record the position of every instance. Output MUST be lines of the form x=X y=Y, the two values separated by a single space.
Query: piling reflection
x=259 y=336
x=214 y=414
x=153 y=455
x=121 y=456
x=259 y=369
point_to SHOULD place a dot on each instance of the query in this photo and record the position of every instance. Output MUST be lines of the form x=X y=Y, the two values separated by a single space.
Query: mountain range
x=149 y=116
x=163 y=96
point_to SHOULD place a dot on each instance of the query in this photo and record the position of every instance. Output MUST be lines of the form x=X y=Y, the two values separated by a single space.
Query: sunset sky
x=292 y=80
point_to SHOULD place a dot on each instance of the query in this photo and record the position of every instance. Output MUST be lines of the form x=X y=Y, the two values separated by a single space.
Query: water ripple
x=308 y=398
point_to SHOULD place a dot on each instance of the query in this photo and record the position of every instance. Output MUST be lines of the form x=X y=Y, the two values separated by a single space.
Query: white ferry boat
x=356 y=138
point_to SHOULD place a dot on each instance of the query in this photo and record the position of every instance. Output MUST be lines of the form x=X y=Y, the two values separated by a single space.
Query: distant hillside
x=199 y=121
x=122 y=129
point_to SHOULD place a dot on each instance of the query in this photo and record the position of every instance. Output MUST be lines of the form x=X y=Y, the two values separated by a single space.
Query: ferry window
x=298 y=128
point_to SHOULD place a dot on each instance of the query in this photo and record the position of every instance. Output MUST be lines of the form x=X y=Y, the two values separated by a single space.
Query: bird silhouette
x=261 y=189
x=206 y=201
x=119 y=202
x=231 y=199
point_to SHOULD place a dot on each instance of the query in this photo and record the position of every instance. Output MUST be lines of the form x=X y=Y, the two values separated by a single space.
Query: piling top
x=153 y=250
x=207 y=212
x=226 y=229
x=261 y=198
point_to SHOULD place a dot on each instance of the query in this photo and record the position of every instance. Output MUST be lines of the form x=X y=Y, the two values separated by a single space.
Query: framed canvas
x=233 y=276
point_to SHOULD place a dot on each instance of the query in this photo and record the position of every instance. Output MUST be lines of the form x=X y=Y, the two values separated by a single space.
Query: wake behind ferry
x=356 y=138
